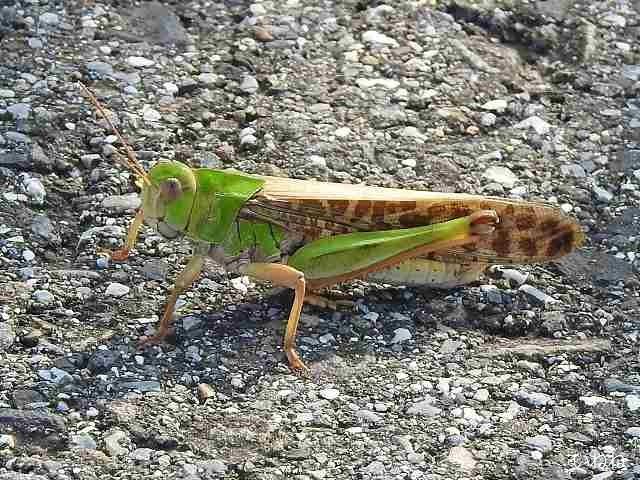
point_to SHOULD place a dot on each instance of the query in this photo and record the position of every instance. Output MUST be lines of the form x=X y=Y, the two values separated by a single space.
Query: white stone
x=462 y=457
x=329 y=393
x=49 y=18
x=501 y=175
x=633 y=402
x=344 y=132
x=208 y=78
x=140 y=62
x=495 y=105
x=150 y=114
x=115 y=289
x=387 y=83
x=401 y=335
x=371 y=36
x=536 y=123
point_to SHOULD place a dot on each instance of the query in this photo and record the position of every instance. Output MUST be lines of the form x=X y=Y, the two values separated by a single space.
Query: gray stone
x=425 y=408
x=213 y=466
x=34 y=189
x=541 y=443
x=401 y=335
x=56 y=375
x=18 y=159
x=113 y=443
x=17 y=137
x=30 y=421
x=450 y=346
x=462 y=457
x=7 y=336
x=329 y=393
x=190 y=322
x=141 y=454
x=141 y=386
x=573 y=170
x=22 y=476
x=371 y=36
x=102 y=360
x=368 y=416
x=140 y=62
x=616 y=385
x=553 y=321
x=535 y=123
x=374 y=468
x=159 y=24
x=155 y=269
x=633 y=402
x=117 y=290
x=632 y=432
x=50 y=18
x=83 y=441
x=28 y=399
x=249 y=84
x=102 y=68
x=43 y=297
x=129 y=201
x=533 y=399
x=495 y=105
x=602 y=195
x=44 y=228
x=502 y=175
x=536 y=295
x=19 y=111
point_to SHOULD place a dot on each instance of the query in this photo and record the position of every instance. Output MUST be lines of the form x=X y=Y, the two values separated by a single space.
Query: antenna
x=132 y=162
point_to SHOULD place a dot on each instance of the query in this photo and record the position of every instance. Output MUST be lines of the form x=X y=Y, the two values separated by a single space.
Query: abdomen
x=429 y=273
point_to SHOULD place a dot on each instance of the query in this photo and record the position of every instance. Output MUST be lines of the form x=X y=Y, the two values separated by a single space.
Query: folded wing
x=528 y=232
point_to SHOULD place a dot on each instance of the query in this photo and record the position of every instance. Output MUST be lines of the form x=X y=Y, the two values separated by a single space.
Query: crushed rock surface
x=531 y=373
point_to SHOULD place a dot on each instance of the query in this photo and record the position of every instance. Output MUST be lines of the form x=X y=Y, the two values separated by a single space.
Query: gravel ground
x=532 y=373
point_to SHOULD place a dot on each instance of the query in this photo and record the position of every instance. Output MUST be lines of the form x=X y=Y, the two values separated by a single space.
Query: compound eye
x=170 y=189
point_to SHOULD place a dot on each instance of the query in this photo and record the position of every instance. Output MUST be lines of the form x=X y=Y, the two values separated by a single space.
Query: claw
x=296 y=364
x=156 y=339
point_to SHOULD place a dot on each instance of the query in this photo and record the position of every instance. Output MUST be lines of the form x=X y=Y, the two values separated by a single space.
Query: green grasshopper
x=308 y=235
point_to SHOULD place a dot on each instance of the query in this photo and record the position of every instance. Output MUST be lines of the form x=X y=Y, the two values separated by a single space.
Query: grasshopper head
x=168 y=196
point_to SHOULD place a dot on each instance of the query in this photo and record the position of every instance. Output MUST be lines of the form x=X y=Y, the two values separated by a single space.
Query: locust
x=308 y=235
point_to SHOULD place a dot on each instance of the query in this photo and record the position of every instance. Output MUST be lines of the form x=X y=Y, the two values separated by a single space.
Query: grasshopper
x=308 y=235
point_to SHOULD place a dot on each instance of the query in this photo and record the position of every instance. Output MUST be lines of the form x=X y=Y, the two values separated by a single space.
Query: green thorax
x=219 y=197
x=214 y=218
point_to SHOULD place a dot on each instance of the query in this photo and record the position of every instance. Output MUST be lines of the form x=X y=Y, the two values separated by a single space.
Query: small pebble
x=535 y=123
x=150 y=114
x=49 y=18
x=633 y=402
x=140 y=62
x=537 y=295
x=102 y=262
x=495 y=105
x=541 y=443
x=371 y=36
x=43 y=297
x=249 y=84
x=115 y=289
x=329 y=393
x=501 y=175
x=401 y=335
